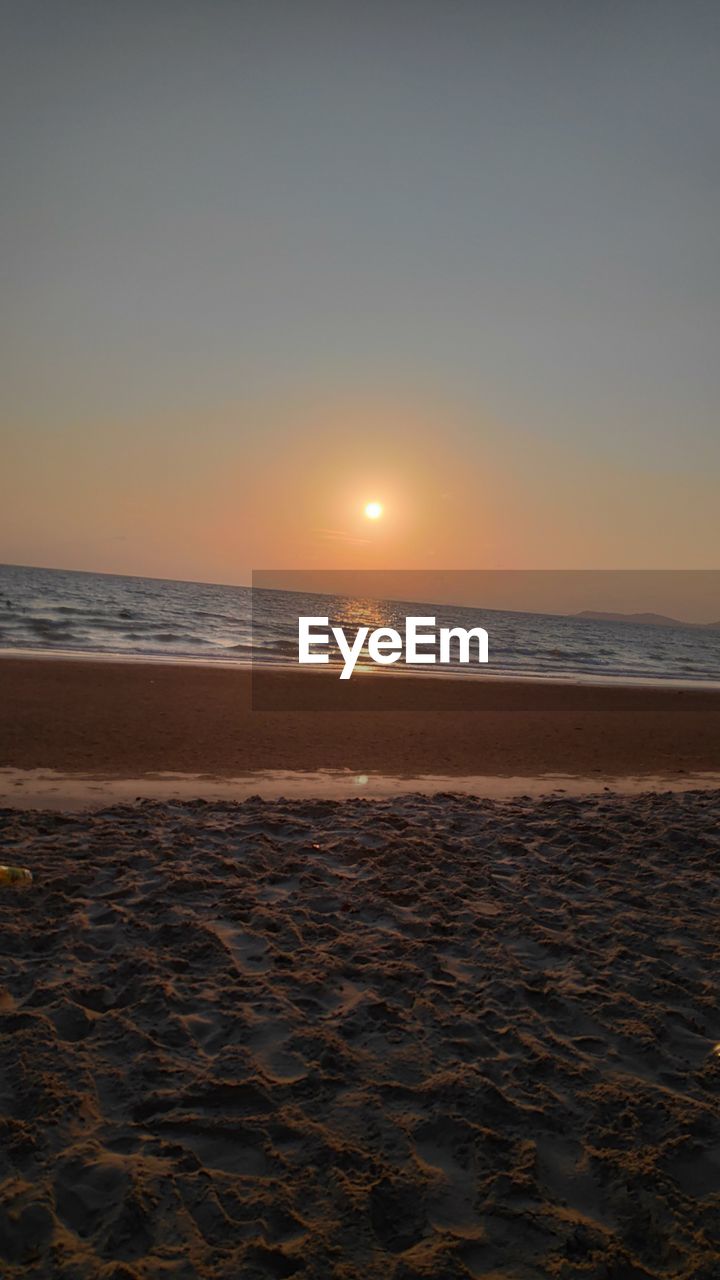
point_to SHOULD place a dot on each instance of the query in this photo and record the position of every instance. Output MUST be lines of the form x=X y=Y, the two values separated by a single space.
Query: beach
x=133 y=718
x=360 y=642
x=425 y=1037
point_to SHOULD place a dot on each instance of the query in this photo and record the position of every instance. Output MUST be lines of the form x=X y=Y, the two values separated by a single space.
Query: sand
x=424 y=1036
x=127 y=719
x=421 y=1037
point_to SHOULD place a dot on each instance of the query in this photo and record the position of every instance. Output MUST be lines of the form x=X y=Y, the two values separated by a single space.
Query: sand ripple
x=426 y=1037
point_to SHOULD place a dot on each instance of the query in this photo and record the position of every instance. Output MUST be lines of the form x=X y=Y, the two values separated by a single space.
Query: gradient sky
x=263 y=262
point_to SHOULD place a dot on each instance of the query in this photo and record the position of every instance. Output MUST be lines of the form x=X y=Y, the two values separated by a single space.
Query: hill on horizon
x=645 y=619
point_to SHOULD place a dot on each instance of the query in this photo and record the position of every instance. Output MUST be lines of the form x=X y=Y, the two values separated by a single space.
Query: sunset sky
x=264 y=263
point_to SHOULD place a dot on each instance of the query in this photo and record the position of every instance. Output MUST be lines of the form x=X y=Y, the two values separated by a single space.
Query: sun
x=373 y=510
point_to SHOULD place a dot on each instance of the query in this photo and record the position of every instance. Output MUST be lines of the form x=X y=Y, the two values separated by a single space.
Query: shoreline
x=583 y=679
x=128 y=720
x=25 y=789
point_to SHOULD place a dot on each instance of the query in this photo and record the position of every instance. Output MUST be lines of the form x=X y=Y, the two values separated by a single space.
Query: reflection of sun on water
x=373 y=510
x=362 y=613
x=373 y=614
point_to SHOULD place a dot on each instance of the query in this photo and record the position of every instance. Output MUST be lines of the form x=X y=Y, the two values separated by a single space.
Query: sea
x=63 y=611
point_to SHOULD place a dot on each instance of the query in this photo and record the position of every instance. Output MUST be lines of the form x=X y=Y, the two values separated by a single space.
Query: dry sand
x=127 y=719
x=415 y=1038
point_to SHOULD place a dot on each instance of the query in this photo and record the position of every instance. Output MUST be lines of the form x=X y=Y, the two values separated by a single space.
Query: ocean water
x=90 y=613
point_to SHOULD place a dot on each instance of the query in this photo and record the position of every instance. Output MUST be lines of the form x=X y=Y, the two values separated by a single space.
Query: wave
x=49 y=627
x=176 y=637
x=49 y=609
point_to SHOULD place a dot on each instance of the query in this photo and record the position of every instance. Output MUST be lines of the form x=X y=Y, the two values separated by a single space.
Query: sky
x=262 y=263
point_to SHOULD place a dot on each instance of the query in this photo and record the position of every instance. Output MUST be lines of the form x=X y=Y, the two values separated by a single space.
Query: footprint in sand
x=445 y=1152
x=247 y=950
x=267 y=1042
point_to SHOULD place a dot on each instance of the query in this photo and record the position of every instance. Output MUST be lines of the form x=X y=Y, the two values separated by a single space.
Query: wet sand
x=127 y=719
x=414 y=1038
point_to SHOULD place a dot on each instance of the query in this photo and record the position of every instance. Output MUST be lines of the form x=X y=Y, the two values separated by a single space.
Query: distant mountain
x=646 y=620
